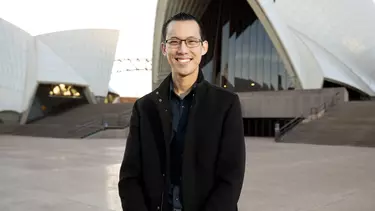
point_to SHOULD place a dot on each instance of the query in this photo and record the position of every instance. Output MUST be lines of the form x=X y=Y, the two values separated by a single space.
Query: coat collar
x=163 y=91
x=161 y=99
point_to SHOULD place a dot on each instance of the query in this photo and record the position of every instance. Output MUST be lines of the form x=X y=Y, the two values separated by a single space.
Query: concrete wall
x=289 y=103
x=9 y=117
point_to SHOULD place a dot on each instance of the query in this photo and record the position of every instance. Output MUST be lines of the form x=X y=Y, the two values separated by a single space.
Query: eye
x=173 y=42
x=193 y=42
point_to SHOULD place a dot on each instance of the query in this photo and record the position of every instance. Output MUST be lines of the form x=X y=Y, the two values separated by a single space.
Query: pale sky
x=135 y=19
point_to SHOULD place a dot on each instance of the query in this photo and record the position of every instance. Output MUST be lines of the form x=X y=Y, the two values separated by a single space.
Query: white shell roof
x=340 y=33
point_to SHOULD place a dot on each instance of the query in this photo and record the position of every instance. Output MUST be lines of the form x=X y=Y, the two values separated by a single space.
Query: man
x=185 y=149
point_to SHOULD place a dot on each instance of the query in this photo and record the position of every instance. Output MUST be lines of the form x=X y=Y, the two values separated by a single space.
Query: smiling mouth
x=183 y=60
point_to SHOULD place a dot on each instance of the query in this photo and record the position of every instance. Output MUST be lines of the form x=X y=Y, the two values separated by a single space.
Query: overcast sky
x=135 y=19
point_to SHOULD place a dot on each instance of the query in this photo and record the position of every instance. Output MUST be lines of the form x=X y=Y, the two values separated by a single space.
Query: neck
x=183 y=84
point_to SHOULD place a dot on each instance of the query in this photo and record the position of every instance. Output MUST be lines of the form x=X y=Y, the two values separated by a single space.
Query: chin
x=184 y=72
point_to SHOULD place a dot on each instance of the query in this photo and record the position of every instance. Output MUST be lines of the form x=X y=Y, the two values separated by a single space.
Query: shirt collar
x=171 y=91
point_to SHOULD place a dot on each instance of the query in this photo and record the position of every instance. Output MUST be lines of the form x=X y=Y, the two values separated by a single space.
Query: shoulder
x=142 y=100
x=222 y=94
x=145 y=102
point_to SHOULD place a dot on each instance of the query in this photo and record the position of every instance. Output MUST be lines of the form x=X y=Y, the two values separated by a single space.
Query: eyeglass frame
x=184 y=40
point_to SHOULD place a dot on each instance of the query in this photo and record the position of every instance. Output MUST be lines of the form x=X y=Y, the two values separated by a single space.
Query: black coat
x=213 y=159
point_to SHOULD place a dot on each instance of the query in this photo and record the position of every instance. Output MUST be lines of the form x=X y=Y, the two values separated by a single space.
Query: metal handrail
x=94 y=123
x=287 y=127
x=279 y=133
x=324 y=106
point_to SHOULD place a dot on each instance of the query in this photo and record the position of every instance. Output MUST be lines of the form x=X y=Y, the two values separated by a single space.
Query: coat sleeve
x=130 y=189
x=231 y=163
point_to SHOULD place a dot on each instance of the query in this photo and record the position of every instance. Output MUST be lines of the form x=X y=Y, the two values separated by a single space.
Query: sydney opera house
x=304 y=70
x=281 y=44
x=36 y=70
x=290 y=61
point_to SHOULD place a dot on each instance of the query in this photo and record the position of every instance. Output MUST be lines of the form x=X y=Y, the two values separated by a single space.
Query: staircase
x=77 y=122
x=350 y=123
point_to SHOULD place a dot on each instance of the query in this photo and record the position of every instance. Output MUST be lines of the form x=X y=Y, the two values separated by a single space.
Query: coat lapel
x=161 y=98
x=164 y=109
x=193 y=121
x=189 y=155
x=199 y=96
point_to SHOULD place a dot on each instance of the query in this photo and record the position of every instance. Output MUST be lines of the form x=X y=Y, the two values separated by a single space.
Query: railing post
x=104 y=121
x=313 y=113
x=277 y=132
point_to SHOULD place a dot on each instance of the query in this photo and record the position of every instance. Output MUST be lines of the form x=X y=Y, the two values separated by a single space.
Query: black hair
x=183 y=17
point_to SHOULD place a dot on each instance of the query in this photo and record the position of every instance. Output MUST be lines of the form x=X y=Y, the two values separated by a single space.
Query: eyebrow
x=174 y=37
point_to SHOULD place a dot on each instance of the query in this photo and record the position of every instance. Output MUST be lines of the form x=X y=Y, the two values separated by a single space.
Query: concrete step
x=74 y=123
x=348 y=124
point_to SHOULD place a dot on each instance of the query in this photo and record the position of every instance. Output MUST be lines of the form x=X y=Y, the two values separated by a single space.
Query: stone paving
x=40 y=174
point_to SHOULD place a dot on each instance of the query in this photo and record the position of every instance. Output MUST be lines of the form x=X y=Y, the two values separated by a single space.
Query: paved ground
x=55 y=174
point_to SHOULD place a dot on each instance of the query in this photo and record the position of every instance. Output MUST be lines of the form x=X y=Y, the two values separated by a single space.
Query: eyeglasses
x=190 y=42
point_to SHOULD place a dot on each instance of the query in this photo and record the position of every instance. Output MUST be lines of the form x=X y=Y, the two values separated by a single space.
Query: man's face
x=184 y=57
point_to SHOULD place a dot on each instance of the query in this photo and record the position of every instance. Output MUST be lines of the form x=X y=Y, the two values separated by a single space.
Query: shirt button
x=163 y=175
x=158 y=207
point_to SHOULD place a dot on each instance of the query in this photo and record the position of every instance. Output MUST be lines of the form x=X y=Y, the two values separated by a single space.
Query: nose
x=183 y=47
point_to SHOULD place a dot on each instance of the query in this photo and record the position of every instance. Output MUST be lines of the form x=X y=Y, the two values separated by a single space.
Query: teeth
x=183 y=60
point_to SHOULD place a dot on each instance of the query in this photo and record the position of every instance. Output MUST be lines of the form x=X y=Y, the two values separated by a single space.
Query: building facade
x=258 y=45
x=39 y=73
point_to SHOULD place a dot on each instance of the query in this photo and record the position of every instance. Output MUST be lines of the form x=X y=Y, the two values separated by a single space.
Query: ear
x=163 y=48
x=204 y=47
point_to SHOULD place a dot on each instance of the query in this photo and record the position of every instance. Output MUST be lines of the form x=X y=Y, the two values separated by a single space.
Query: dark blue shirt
x=180 y=112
